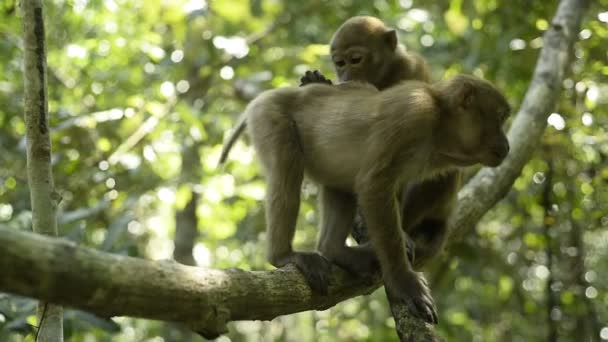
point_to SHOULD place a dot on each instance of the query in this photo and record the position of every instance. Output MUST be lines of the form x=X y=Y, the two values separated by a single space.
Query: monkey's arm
x=381 y=210
x=377 y=187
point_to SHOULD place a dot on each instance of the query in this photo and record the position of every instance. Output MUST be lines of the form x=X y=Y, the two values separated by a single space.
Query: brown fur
x=362 y=146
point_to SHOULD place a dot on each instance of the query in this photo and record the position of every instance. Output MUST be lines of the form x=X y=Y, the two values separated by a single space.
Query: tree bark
x=44 y=198
x=207 y=299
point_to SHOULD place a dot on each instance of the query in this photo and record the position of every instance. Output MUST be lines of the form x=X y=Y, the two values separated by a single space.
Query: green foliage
x=141 y=94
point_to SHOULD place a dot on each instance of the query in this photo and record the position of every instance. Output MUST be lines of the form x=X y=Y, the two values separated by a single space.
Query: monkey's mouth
x=493 y=160
x=490 y=159
x=459 y=159
x=496 y=155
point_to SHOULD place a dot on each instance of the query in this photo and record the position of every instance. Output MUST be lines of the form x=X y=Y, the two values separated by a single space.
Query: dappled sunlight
x=235 y=46
x=557 y=121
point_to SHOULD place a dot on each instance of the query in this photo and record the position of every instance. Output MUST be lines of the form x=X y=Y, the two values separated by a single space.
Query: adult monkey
x=361 y=146
x=365 y=49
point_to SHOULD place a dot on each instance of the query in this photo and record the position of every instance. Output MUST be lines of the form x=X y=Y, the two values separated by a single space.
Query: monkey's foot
x=315 y=268
x=360 y=261
x=313 y=77
x=412 y=289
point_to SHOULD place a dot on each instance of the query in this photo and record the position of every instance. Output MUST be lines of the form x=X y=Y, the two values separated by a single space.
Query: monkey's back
x=330 y=127
x=333 y=126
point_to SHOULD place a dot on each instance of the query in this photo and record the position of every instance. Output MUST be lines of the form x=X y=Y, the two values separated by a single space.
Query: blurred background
x=142 y=93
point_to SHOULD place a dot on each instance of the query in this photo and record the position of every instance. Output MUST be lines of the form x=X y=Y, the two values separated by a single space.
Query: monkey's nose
x=502 y=149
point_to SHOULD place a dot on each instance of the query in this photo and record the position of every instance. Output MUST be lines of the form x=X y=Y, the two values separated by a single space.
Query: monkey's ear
x=390 y=37
x=466 y=95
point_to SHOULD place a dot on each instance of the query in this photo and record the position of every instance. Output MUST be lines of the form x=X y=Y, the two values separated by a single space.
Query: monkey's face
x=352 y=63
x=473 y=128
x=361 y=50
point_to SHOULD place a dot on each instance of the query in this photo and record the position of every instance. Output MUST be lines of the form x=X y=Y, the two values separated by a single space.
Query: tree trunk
x=548 y=223
x=44 y=198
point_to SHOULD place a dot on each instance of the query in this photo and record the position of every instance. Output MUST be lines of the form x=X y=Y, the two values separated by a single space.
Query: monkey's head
x=362 y=48
x=470 y=129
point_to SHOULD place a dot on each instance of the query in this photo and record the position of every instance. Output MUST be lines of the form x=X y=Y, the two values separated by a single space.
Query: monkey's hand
x=313 y=77
x=412 y=289
x=315 y=268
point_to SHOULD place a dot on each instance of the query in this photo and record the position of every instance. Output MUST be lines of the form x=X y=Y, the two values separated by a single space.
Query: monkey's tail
x=241 y=124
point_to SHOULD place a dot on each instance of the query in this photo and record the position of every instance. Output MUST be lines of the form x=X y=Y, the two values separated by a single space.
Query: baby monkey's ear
x=390 y=37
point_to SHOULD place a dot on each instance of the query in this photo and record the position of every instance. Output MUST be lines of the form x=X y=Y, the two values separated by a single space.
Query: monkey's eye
x=356 y=59
x=340 y=63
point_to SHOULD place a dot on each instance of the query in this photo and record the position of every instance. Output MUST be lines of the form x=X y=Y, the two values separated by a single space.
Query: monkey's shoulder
x=349 y=88
x=415 y=96
x=357 y=86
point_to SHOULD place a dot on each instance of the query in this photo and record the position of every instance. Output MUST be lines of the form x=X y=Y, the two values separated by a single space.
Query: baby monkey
x=365 y=49
x=361 y=146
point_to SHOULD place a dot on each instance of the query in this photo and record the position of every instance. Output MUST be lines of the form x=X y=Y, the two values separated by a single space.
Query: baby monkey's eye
x=356 y=59
x=340 y=63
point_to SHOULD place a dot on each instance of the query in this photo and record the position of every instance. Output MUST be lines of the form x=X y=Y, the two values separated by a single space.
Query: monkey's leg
x=284 y=167
x=426 y=209
x=430 y=235
x=337 y=214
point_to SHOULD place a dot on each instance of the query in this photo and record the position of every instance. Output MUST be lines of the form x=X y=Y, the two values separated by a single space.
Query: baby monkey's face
x=362 y=49
x=351 y=64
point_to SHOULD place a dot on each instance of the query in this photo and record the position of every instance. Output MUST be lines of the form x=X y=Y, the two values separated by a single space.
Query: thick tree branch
x=62 y=272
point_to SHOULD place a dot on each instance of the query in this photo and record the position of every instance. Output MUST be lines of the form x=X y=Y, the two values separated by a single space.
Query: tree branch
x=60 y=271
x=43 y=196
x=488 y=186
